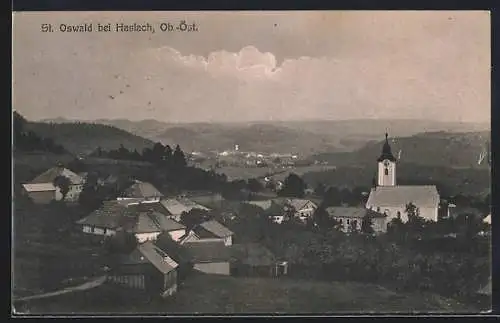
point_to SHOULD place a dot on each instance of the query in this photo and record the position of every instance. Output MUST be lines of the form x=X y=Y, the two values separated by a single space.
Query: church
x=391 y=199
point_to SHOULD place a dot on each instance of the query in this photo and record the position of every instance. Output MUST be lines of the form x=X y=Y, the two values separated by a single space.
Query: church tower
x=386 y=166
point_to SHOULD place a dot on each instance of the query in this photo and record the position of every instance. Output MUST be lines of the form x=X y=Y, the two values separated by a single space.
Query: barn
x=147 y=268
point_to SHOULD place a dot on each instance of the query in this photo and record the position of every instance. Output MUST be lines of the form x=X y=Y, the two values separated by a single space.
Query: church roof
x=420 y=196
x=386 y=151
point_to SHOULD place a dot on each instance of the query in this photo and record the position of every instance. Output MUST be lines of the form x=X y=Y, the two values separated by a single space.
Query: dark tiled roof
x=352 y=212
x=154 y=207
x=207 y=251
x=215 y=228
x=116 y=214
x=110 y=215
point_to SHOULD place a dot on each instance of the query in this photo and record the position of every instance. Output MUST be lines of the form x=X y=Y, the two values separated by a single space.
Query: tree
x=332 y=197
x=367 y=224
x=320 y=190
x=194 y=217
x=121 y=243
x=293 y=186
x=323 y=221
x=178 y=158
x=63 y=183
x=254 y=185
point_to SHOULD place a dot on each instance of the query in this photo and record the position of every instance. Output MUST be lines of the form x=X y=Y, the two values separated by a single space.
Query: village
x=155 y=240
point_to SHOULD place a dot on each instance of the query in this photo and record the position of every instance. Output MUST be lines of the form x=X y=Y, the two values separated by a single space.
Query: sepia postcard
x=254 y=162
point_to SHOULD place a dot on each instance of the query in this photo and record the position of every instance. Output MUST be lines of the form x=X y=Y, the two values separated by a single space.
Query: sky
x=249 y=66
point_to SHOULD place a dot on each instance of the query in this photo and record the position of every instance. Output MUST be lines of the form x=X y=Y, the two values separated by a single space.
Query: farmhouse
x=212 y=230
x=177 y=206
x=147 y=268
x=211 y=257
x=303 y=209
x=144 y=223
x=391 y=199
x=143 y=191
x=42 y=189
x=351 y=218
x=281 y=208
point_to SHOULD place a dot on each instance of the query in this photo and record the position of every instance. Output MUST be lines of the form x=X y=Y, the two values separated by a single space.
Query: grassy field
x=210 y=294
x=235 y=173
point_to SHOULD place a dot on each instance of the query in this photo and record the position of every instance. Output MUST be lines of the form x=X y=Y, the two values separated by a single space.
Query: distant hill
x=458 y=150
x=302 y=137
x=83 y=138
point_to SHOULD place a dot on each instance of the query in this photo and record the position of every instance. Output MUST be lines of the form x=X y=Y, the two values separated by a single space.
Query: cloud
x=313 y=65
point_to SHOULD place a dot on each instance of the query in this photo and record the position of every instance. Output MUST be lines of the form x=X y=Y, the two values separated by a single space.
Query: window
x=347 y=221
x=386 y=171
x=87 y=229
x=340 y=221
x=378 y=209
x=399 y=215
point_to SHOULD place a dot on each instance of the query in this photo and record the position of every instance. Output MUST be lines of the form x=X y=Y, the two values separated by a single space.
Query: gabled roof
x=39 y=187
x=147 y=207
x=49 y=175
x=352 y=212
x=149 y=253
x=420 y=196
x=110 y=215
x=117 y=214
x=141 y=190
x=298 y=204
x=207 y=251
x=178 y=206
x=215 y=228
x=487 y=219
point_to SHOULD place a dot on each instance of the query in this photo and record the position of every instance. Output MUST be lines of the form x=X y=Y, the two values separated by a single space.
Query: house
x=304 y=209
x=177 y=206
x=391 y=199
x=42 y=189
x=276 y=212
x=145 y=223
x=211 y=257
x=281 y=208
x=147 y=268
x=143 y=191
x=253 y=259
x=353 y=217
x=213 y=230
x=487 y=219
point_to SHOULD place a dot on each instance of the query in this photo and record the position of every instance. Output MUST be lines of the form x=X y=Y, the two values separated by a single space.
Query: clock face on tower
x=386 y=163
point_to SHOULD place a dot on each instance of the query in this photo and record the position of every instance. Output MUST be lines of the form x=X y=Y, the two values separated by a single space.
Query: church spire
x=386 y=151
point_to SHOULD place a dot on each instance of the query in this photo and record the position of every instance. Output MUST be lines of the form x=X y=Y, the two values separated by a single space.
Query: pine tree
x=178 y=158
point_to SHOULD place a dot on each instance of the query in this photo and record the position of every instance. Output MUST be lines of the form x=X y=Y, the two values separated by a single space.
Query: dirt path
x=88 y=285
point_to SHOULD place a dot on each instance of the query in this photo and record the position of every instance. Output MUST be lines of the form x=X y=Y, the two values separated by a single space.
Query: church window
x=386 y=171
x=347 y=221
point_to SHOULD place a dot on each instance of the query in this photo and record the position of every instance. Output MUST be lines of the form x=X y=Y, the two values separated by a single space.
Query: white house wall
x=143 y=237
x=177 y=234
